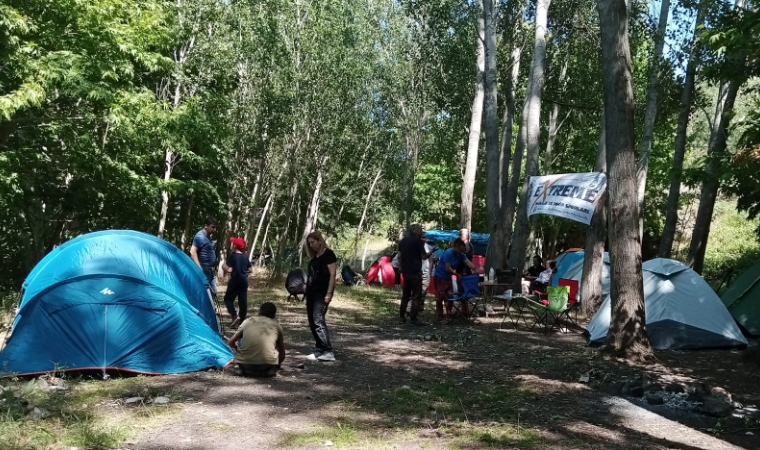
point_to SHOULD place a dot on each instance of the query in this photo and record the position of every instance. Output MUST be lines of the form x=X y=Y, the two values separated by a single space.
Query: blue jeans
x=209 y=272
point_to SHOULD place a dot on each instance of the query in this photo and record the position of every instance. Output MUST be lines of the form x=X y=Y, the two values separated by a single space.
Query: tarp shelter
x=115 y=300
x=682 y=311
x=564 y=262
x=479 y=240
x=742 y=299
x=575 y=272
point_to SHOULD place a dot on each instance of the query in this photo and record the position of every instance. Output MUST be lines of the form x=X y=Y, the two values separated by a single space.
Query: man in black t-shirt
x=535 y=270
x=411 y=253
x=239 y=266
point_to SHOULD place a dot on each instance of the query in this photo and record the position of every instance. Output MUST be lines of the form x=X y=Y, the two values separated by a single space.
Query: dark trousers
x=258 y=370
x=316 y=310
x=413 y=291
x=237 y=289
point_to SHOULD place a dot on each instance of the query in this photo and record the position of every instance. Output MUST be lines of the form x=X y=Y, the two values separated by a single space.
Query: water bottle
x=490 y=275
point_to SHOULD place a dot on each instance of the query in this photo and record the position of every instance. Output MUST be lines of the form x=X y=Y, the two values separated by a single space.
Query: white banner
x=572 y=195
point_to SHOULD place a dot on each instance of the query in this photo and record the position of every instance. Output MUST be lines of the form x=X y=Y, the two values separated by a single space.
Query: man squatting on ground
x=203 y=252
x=259 y=344
x=446 y=267
x=411 y=251
x=238 y=265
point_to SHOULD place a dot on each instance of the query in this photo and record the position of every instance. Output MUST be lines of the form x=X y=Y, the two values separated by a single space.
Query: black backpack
x=296 y=283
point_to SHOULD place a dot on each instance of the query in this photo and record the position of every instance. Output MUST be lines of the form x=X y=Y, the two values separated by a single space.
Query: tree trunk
x=671 y=215
x=651 y=109
x=593 y=261
x=366 y=206
x=188 y=223
x=416 y=143
x=495 y=256
x=252 y=211
x=264 y=243
x=531 y=122
x=169 y=165
x=553 y=125
x=716 y=149
x=228 y=229
x=282 y=240
x=505 y=149
x=627 y=336
x=506 y=211
x=471 y=166
x=311 y=213
x=255 y=240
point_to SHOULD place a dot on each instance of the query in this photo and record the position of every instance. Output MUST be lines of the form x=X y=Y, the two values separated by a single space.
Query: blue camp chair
x=470 y=292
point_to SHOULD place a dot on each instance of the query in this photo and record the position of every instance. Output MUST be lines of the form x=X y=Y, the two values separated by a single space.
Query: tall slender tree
x=471 y=166
x=655 y=72
x=530 y=132
x=495 y=257
x=627 y=336
x=679 y=151
x=593 y=261
x=715 y=152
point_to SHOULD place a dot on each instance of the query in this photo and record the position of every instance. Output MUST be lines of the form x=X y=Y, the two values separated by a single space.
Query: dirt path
x=456 y=386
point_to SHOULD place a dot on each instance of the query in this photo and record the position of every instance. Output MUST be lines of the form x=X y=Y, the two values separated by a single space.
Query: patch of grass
x=222 y=427
x=448 y=400
x=495 y=436
x=86 y=415
x=343 y=433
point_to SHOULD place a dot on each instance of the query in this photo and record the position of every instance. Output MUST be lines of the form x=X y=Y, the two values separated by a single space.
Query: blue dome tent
x=564 y=262
x=115 y=300
x=479 y=240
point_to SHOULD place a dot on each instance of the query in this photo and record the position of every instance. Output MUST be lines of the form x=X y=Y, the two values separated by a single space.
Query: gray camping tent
x=682 y=311
x=575 y=272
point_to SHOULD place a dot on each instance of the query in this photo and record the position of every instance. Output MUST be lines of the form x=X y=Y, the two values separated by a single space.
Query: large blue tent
x=115 y=300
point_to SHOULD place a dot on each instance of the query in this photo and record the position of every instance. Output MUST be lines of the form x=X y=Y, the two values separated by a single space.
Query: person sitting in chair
x=544 y=278
x=445 y=268
x=532 y=273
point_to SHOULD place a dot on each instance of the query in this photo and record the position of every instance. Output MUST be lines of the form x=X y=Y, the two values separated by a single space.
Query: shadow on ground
x=463 y=385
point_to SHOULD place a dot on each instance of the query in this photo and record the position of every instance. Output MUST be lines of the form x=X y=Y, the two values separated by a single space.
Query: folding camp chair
x=549 y=315
x=573 y=303
x=470 y=293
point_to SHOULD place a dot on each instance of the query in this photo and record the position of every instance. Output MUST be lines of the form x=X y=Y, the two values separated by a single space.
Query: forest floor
x=457 y=386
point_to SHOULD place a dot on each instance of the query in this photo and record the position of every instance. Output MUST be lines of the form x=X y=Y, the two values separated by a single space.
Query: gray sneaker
x=235 y=323
x=314 y=355
x=328 y=356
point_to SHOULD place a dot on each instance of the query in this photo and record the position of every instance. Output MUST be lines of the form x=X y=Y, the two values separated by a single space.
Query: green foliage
x=729 y=246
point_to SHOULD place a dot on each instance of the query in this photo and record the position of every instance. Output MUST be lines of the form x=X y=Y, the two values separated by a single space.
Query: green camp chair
x=549 y=315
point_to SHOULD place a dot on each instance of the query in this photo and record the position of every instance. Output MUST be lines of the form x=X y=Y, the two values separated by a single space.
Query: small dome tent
x=565 y=261
x=682 y=311
x=115 y=300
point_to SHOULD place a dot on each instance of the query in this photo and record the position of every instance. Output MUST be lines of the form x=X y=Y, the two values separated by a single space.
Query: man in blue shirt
x=204 y=253
x=447 y=266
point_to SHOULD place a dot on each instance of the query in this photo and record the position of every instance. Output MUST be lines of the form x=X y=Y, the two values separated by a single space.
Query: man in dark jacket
x=411 y=254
